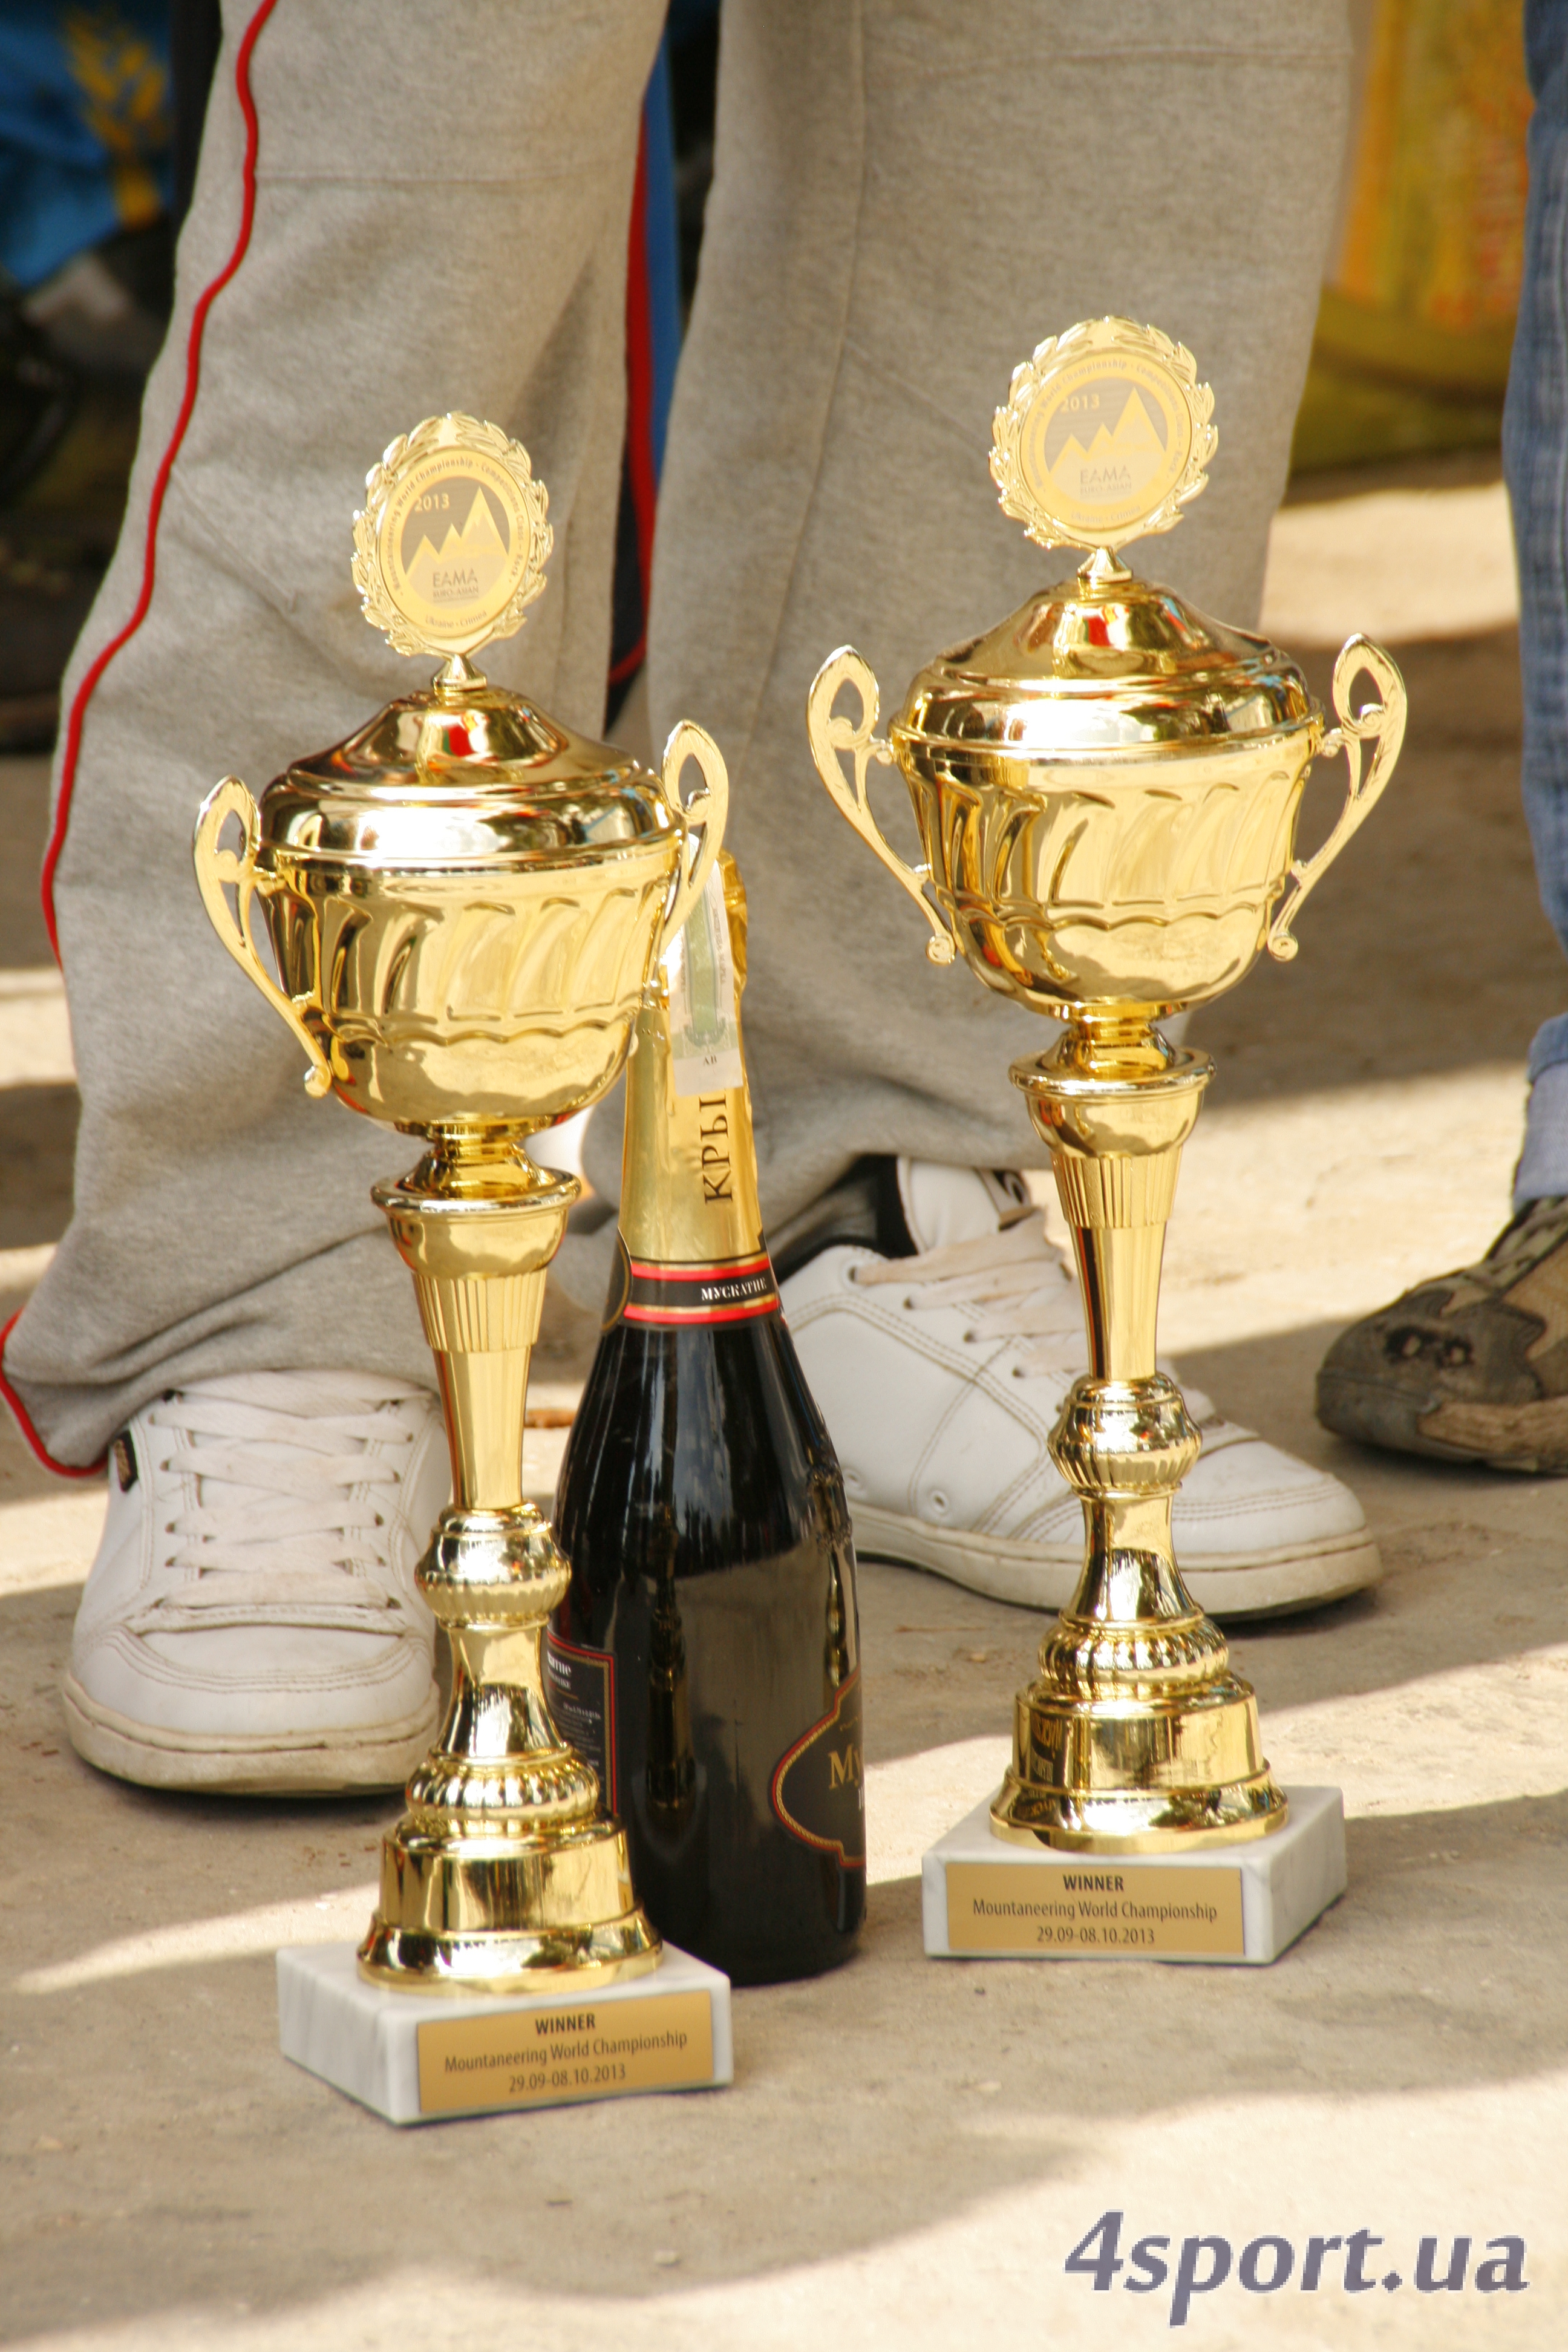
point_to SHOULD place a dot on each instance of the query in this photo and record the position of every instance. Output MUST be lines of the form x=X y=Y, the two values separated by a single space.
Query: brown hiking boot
x=1472 y=1367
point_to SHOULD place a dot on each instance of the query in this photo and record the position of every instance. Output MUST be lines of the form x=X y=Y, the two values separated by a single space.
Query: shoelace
x=1535 y=1232
x=1015 y=1284
x=1019 y=1286
x=291 y=1510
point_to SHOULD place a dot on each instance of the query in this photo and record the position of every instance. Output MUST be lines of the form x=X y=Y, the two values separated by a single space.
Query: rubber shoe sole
x=1273 y=1584
x=326 y=1764
x=1531 y=1438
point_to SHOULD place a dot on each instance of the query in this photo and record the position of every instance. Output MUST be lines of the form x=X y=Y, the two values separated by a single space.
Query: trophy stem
x=1136 y=1737
x=504 y=1873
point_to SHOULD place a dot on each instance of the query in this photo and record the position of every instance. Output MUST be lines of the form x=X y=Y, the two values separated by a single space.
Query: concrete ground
x=911 y=2148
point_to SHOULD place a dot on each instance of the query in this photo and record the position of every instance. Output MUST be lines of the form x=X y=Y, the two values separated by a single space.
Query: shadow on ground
x=875 y=2103
x=38 y=1141
x=24 y=828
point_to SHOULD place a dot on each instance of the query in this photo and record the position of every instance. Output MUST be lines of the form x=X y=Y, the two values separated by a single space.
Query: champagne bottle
x=706 y=1657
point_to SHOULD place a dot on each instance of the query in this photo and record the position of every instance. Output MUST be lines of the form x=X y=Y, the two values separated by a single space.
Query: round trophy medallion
x=451 y=544
x=1104 y=436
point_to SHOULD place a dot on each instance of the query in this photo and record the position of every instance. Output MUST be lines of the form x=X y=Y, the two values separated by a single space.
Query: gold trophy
x=465 y=900
x=1105 y=788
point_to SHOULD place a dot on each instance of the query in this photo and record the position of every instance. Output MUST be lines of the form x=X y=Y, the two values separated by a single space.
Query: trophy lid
x=1105 y=664
x=449 y=552
x=1104 y=438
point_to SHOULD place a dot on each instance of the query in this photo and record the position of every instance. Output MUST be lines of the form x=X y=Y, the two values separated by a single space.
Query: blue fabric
x=661 y=236
x=85 y=128
x=1535 y=461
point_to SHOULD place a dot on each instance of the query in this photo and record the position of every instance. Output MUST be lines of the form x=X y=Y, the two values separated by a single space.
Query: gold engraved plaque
x=1104 y=436
x=451 y=543
x=1095 y=1912
x=553 y=2057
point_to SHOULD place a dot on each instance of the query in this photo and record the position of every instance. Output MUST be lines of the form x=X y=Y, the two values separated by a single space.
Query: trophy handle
x=705 y=812
x=1382 y=722
x=215 y=868
x=830 y=736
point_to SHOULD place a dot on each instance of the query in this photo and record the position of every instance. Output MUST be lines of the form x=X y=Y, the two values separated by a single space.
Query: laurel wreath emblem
x=442 y=433
x=1028 y=501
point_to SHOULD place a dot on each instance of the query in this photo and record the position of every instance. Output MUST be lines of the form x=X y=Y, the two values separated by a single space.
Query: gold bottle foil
x=692 y=1249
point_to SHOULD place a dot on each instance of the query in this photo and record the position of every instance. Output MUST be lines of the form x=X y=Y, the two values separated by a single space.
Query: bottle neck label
x=725 y=1290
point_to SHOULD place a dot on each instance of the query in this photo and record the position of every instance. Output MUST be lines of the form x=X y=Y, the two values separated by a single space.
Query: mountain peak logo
x=466 y=565
x=1110 y=465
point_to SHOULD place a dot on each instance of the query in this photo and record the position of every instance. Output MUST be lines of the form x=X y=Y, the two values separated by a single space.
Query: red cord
x=643 y=482
x=25 y=1423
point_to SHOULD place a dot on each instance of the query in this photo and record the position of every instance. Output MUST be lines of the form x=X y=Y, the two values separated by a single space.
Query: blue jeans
x=1535 y=460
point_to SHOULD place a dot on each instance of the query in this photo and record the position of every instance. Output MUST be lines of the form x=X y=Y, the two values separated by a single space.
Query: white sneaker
x=940 y=1376
x=251 y=1621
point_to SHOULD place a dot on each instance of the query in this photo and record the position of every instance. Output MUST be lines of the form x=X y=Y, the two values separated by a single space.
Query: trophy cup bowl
x=461 y=941
x=1140 y=867
x=465 y=901
x=1105 y=788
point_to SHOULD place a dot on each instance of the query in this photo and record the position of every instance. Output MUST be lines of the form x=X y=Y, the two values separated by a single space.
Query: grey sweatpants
x=907 y=194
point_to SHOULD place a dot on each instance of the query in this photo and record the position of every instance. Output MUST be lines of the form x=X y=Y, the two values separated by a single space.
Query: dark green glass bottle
x=706 y=1656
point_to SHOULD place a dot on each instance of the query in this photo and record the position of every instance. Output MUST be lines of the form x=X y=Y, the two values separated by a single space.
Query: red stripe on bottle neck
x=685 y=1271
x=680 y=1317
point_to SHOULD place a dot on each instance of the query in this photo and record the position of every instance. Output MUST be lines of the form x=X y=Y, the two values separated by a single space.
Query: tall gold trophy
x=465 y=900
x=1105 y=788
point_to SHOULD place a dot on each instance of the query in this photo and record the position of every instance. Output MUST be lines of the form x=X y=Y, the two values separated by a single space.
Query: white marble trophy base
x=416 y=2057
x=985 y=1898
